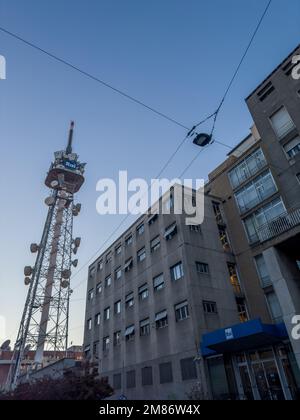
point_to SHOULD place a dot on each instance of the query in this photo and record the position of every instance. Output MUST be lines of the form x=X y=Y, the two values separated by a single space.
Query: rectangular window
x=247 y=168
x=89 y=324
x=152 y=219
x=100 y=265
x=255 y=192
x=141 y=254
x=128 y=240
x=140 y=229
x=202 y=267
x=96 y=348
x=108 y=281
x=130 y=379
x=262 y=271
x=155 y=244
x=117 y=381
x=274 y=306
x=224 y=238
x=128 y=265
x=106 y=342
x=107 y=313
x=117 y=307
x=147 y=376
x=145 y=327
x=161 y=319
x=210 y=307
x=188 y=369
x=143 y=292
x=118 y=249
x=90 y=294
x=118 y=273
x=92 y=272
x=165 y=373
x=195 y=228
x=181 y=311
x=176 y=271
x=129 y=300
x=98 y=319
x=292 y=148
x=170 y=231
x=242 y=309
x=129 y=333
x=234 y=279
x=282 y=123
x=99 y=288
x=262 y=216
x=117 y=338
x=158 y=282
x=108 y=258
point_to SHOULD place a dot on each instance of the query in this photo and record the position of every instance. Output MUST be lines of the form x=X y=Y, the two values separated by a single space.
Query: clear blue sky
x=176 y=55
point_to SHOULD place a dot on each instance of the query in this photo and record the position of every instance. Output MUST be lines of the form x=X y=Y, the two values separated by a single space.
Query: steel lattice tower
x=44 y=324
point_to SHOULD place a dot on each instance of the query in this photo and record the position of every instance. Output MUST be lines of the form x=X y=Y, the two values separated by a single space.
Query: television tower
x=44 y=324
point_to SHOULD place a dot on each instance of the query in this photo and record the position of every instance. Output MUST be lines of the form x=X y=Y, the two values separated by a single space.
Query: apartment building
x=259 y=186
x=152 y=295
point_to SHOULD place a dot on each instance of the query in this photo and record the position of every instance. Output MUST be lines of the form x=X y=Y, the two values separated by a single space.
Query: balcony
x=279 y=225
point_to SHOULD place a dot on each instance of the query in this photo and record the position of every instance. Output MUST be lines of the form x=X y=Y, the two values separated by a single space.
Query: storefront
x=251 y=361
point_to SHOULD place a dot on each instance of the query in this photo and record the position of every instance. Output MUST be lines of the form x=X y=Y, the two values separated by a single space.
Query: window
x=108 y=281
x=99 y=288
x=195 y=228
x=129 y=300
x=152 y=219
x=117 y=381
x=143 y=292
x=141 y=254
x=181 y=311
x=247 y=168
x=265 y=91
x=108 y=258
x=140 y=229
x=262 y=271
x=117 y=338
x=89 y=324
x=176 y=271
x=210 y=307
x=145 y=327
x=188 y=369
x=292 y=148
x=96 y=348
x=106 y=342
x=129 y=333
x=298 y=177
x=262 y=216
x=255 y=192
x=274 y=306
x=128 y=240
x=118 y=273
x=234 y=280
x=90 y=294
x=165 y=373
x=106 y=314
x=98 y=319
x=100 y=265
x=118 y=249
x=92 y=272
x=242 y=309
x=217 y=212
x=161 y=319
x=170 y=232
x=117 y=307
x=158 y=282
x=202 y=268
x=147 y=376
x=224 y=238
x=155 y=244
x=282 y=122
x=130 y=379
x=128 y=265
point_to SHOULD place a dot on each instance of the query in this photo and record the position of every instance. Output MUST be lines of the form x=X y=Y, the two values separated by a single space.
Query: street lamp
x=202 y=139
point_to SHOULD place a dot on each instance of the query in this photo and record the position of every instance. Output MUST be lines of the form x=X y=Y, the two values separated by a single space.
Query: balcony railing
x=279 y=225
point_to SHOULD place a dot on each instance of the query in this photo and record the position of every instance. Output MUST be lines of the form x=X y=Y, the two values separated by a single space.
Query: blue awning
x=240 y=337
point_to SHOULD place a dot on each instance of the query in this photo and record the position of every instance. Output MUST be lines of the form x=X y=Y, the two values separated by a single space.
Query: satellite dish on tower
x=5 y=345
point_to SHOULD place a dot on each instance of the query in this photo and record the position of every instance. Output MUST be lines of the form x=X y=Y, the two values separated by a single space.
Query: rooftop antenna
x=70 y=140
